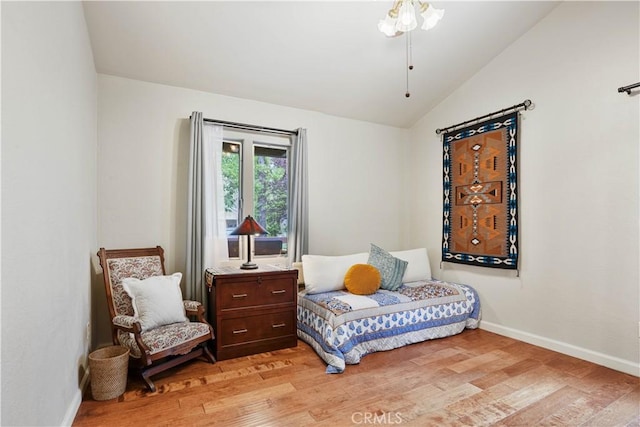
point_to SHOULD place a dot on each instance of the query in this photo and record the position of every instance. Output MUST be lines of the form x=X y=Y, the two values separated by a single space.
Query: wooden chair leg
x=146 y=376
x=207 y=353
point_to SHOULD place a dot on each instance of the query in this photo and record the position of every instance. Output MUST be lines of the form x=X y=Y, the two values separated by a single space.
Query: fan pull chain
x=409 y=54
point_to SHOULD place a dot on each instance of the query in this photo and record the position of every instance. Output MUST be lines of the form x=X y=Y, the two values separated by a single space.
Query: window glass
x=270 y=198
x=255 y=182
x=231 y=183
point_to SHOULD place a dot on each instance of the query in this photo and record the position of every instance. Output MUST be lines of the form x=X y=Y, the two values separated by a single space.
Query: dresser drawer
x=259 y=292
x=252 y=328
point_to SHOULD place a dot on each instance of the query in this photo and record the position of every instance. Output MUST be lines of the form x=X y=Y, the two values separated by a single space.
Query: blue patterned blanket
x=343 y=327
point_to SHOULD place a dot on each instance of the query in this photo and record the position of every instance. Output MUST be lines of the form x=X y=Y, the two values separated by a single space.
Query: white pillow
x=298 y=266
x=418 y=267
x=157 y=300
x=326 y=273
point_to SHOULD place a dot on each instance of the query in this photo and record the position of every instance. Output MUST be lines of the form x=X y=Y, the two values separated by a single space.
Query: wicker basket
x=108 y=368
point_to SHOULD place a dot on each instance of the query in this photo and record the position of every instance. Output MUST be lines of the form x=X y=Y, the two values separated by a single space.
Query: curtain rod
x=526 y=105
x=628 y=88
x=244 y=126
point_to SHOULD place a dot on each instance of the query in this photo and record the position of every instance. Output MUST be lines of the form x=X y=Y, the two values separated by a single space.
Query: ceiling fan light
x=387 y=26
x=406 y=17
x=431 y=17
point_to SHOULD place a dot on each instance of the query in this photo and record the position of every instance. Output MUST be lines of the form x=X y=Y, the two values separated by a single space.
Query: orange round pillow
x=362 y=279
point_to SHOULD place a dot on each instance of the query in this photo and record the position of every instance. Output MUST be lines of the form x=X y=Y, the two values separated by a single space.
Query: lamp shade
x=431 y=17
x=406 y=17
x=249 y=227
x=387 y=26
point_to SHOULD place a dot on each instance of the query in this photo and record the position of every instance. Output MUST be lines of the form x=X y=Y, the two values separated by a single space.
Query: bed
x=343 y=327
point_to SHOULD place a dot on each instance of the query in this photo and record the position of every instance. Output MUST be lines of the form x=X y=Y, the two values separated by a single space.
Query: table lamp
x=249 y=227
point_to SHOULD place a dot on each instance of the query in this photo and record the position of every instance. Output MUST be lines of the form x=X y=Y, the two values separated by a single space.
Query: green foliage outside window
x=231 y=181
x=269 y=191
x=270 y=194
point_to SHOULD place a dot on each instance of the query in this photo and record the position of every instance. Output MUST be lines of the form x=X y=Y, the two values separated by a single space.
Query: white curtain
x=206 y=228
x=298 y=239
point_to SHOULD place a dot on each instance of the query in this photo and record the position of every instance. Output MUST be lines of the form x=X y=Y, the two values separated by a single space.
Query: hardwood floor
x=476 y=378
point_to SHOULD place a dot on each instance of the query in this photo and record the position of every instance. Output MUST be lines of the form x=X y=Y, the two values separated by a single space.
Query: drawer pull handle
x=279 y=325
x=239 y=331
x=239 y=295
x=279 y=291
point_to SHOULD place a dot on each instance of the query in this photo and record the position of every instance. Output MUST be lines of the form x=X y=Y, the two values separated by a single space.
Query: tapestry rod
x=628 y=88
x=243 y=126
x=526 y=105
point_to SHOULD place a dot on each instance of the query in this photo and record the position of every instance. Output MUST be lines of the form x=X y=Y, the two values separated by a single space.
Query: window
x=256 y=183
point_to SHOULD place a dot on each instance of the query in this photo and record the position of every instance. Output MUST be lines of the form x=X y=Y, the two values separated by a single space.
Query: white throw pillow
x=298 y=266
x=326 y=273
x=418 y=267
x=157 y=300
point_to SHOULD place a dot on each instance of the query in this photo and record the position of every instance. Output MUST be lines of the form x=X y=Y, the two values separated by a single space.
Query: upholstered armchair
x=157 y=340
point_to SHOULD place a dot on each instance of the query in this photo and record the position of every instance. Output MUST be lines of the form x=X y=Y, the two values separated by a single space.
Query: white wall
x=355 y=171
x=49 y=142
x=578 y=285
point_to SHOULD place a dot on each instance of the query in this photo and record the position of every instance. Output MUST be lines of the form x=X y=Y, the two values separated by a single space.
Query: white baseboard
x=612 y=362
x=72 y=410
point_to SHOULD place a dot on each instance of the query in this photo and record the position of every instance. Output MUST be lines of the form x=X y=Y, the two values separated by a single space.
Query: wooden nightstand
x=252 y=311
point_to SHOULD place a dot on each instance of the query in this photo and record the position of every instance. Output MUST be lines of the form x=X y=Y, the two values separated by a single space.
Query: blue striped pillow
x=391 y=268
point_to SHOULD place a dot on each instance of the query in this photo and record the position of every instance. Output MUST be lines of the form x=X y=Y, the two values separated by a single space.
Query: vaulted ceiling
x=323 y=56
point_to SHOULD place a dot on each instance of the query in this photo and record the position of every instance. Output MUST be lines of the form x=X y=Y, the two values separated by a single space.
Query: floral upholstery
x=191 y=305
x=157 y=339
x=125 y=321
x=164 y=337
x=138 y=267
